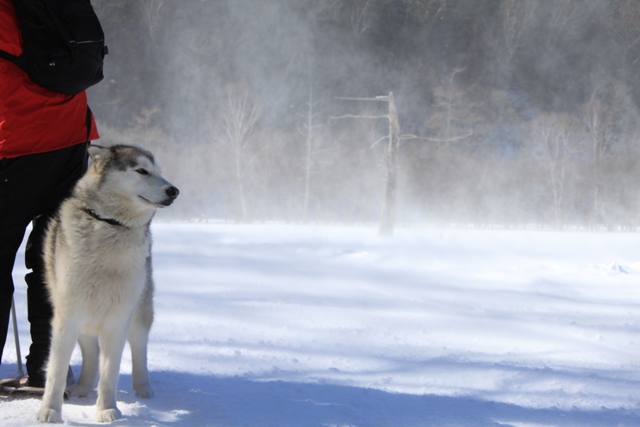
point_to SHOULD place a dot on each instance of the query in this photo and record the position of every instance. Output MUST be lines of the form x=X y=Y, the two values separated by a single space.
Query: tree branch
x=353 y=116
x=377 y=98
x=452 y=139
x=378 y=141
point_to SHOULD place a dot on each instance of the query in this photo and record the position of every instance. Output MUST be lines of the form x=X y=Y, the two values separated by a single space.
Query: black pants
x=31 y=189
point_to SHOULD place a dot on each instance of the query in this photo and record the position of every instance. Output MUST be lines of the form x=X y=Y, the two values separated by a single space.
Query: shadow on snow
x=184 y=399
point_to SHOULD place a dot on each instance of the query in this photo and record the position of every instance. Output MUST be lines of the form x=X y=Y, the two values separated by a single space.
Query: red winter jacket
x=34 y=119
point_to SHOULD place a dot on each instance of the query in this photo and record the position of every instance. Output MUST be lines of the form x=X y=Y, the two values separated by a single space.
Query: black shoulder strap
x=19 y=61
x=88 y=123
x=8 y=56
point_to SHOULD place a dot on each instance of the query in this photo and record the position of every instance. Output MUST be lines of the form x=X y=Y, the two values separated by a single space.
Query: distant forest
x=513 y=112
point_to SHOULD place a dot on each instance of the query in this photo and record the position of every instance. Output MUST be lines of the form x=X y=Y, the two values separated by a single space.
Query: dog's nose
x=172 y=192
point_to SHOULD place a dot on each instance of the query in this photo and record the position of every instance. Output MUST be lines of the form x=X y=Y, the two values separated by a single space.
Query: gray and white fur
x=98 y=272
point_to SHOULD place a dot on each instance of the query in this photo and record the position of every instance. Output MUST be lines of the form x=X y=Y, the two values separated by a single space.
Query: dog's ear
x=99 y=154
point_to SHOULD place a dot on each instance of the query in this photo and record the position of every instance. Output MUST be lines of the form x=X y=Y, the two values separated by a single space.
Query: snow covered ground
x=282 y=326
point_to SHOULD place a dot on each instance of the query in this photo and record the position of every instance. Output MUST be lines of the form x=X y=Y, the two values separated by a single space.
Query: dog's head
x=131 y=172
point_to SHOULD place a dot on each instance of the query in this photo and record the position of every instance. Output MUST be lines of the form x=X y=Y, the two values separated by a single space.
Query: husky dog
x=98 y=272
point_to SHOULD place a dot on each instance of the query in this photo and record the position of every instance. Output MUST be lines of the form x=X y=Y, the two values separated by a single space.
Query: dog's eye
x=142 y=171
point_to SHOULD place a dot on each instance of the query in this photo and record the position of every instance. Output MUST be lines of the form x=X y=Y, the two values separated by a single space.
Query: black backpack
x=63 y=44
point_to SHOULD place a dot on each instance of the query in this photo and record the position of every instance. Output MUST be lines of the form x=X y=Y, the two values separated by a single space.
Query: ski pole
x=20 y=372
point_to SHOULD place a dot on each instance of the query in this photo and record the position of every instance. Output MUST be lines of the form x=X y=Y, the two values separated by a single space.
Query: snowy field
x=331 y=326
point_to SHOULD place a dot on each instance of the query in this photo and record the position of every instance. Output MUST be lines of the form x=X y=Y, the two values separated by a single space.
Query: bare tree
x=151 y=12
x=238 y=120
x=556 y=136
x=364 y=15
x=600 y=123
x=389 y=201
x=452 y=116
x=537 y=24
x=560 y=21
x=447 y=136
x=391 y=183
x=359 y=11
x=310 y=152
x=625 y=26
x=509 y=32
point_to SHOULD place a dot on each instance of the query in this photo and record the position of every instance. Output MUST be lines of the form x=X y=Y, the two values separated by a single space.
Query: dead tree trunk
x=310 y=153
x=389 y=202
x=387 y=221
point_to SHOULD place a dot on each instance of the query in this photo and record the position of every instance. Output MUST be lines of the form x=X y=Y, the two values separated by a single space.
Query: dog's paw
x=80 y=390
x=48 y=415
x=108 y=415
x=144 y=391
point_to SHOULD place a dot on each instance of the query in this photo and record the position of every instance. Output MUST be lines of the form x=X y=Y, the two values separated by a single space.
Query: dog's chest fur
x=108 y=263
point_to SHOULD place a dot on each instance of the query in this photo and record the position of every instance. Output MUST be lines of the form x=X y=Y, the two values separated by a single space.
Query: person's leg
x=7 y=259
x=39 y=307
x=11 y=239
x=68 y=166
x=18 y=201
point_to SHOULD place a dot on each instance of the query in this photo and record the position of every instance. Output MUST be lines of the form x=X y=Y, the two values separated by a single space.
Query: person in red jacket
x=43 y=152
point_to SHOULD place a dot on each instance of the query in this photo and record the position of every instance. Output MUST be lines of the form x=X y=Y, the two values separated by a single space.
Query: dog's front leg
x=90 y=357
x=139 y=338
x=112 y=342
x=63 y=340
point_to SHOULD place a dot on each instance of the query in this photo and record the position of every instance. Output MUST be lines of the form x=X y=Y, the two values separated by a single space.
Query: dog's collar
x=110 y=221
